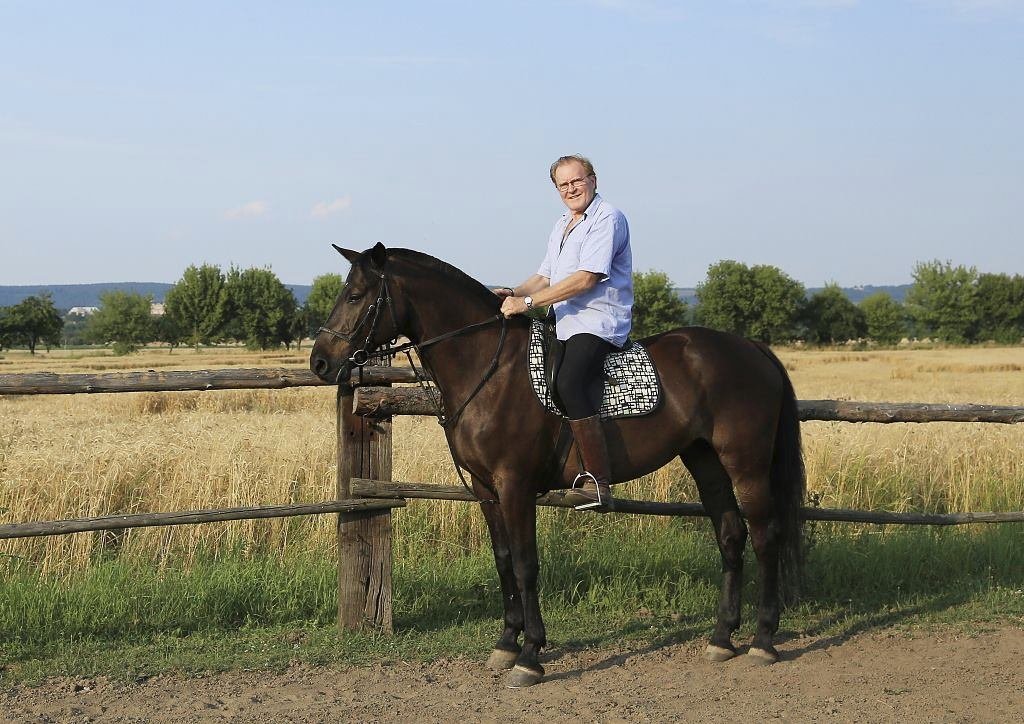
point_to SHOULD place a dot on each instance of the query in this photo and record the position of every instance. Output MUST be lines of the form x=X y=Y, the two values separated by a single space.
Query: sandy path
x=882 y=676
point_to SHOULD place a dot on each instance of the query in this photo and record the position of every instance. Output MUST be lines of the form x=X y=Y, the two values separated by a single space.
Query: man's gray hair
x=582 y=160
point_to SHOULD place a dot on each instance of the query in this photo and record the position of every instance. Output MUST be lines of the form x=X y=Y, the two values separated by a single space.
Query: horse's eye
x=356 y=296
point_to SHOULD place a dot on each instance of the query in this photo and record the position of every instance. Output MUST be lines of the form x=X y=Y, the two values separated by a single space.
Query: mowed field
x=70 y=456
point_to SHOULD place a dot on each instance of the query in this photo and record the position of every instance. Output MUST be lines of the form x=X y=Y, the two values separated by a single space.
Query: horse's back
x=723 y=384
x=712 y=358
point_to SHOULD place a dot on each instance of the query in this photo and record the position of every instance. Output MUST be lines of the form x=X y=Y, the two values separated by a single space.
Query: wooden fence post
x=364 y=539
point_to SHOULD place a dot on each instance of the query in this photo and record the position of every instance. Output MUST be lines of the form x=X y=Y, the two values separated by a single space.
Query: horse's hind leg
x=715 y=489
x=507 y=650
x=764 y=536
x=753 y=487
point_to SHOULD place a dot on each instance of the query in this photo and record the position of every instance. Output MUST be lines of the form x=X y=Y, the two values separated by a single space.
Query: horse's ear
x=379 y=255
x=347 y=253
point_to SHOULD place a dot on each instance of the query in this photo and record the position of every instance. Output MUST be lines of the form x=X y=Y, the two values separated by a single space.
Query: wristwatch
x=528 y=300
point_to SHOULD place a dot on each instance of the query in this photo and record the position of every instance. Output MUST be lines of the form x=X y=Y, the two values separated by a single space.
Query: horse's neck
x=455 y=364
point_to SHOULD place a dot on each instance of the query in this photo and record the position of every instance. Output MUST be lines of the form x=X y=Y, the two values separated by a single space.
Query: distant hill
x=854 y=294
x=66 y=296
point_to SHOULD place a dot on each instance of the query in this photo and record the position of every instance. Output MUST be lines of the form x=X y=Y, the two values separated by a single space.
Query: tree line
x=206 y=306
x=947 y=303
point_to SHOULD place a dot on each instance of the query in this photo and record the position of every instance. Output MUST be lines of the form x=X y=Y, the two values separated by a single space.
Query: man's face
x=574 y=186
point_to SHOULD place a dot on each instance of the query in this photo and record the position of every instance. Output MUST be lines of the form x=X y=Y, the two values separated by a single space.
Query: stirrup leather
x=597 y=488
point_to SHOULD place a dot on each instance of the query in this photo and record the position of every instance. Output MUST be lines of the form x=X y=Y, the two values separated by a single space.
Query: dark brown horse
x=728 y=411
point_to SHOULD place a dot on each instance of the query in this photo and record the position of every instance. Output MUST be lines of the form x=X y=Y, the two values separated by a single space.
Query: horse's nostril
x=320 y=366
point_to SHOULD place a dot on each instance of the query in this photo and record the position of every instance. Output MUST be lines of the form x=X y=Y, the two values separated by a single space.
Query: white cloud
x=797 y=5
x=407 y=59
x=322 y=209
x=980 y=10
x=382 y=59
x=652 y=10
x=250 y=209
x=988 y=9
x=831 y=3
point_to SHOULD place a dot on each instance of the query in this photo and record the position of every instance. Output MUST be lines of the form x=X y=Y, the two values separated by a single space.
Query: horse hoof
x=763 y=657
x=718 y=654
x=501 y=660
x=520 y=677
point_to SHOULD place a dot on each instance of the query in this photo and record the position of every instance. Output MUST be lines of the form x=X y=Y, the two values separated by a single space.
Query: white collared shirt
x=599 y=243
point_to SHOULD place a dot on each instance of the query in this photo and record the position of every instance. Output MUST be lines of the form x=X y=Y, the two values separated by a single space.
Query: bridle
x=362 y=355
x=388 y=349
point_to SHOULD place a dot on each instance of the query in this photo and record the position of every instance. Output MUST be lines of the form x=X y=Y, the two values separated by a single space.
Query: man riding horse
x=728 y=409
x=587 y=277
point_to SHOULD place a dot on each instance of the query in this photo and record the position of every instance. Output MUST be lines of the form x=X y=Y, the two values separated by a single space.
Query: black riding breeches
x=580 y=379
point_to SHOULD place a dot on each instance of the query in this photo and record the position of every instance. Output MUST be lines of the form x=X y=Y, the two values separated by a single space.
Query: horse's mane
x=458 y=278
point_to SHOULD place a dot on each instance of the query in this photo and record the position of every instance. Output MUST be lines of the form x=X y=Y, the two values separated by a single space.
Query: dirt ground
x=879 y=676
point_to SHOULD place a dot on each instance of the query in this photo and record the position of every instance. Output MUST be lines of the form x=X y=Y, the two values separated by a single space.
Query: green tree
x=322 y=297
x=167 y=329
x=885 y=318
x=300 y=326
x=831 y=317
x=942 y=301
x=262 y=309
x=1000 y=308
x=124 y=319
x=724 y=298
x=35 y=320
x=196 y=303
x=74 y=332
x=761 y=302
x=7 y=329
x=656 y=306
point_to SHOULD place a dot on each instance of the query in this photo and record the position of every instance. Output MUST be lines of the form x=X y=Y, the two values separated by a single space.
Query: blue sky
x=840 y=140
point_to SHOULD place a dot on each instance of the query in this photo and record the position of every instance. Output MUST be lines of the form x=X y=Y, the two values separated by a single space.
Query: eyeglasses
x=571 y=184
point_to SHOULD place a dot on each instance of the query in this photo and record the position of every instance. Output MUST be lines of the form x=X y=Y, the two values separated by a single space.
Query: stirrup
x=597 y=488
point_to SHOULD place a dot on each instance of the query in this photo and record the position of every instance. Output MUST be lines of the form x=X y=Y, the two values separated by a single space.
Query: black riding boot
x=591 y=488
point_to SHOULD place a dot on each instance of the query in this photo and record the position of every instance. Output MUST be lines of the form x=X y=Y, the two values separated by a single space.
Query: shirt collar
x=594 y=203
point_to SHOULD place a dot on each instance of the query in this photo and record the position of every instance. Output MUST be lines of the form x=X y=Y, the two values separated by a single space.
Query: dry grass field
x=68 y=456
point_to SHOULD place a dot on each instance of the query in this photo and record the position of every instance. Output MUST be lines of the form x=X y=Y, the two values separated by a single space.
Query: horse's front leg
x=507 y=650
x=520 y=515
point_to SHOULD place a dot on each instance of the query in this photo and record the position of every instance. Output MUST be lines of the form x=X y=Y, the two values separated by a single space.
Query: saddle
x=631 y=384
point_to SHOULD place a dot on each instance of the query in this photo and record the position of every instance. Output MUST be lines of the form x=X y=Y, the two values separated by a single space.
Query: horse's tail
x=789 y=484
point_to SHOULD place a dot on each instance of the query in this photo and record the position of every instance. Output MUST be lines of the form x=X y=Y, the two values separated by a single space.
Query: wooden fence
x=366 y=493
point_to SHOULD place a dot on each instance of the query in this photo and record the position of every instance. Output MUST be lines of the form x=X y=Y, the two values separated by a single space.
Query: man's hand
x=504 y=292
x=512 y=306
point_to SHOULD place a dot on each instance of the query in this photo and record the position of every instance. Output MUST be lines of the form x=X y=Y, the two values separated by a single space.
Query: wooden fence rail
x=190 y=517
x=388 y=401
x=555 y=499
x=373 y=400
x=274 y=378
x=366 y=494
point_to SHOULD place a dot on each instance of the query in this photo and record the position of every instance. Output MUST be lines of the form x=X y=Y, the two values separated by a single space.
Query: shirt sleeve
x=598 y=248
x=548 y=264
x=545 y=268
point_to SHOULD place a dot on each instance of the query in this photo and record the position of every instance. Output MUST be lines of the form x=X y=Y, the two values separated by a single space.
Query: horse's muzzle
x=321 y=367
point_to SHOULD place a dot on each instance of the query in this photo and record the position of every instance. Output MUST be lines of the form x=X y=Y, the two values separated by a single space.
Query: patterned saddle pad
x=631 y=386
